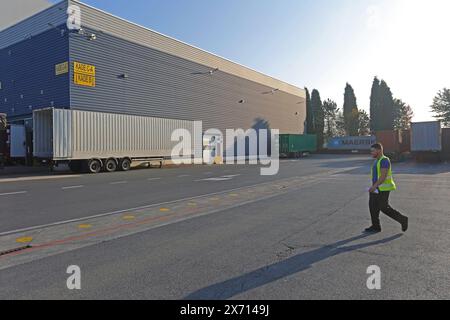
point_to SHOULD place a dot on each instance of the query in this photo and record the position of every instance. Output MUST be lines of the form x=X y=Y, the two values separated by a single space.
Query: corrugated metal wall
x=426 y=136
x=27 y=73
x=43 y=133
x=164 y=85
x=84 y=135
x=166 y=78
x=110 y=24
x=34 y=25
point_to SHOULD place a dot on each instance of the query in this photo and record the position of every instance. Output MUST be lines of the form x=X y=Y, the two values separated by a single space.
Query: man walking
x=383 y=185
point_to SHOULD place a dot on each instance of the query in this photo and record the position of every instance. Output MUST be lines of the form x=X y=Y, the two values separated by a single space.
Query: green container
x=294 y=145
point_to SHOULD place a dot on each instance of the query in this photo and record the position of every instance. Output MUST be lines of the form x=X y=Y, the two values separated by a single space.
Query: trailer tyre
x=94 y=166
x=125 y=164
x=111 y=165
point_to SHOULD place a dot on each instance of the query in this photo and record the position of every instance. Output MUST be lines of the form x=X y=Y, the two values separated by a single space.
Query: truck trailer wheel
x=125 y=164
x=94 y=166
x=111 y=165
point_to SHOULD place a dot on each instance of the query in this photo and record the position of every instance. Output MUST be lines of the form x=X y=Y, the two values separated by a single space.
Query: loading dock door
x=18 y=139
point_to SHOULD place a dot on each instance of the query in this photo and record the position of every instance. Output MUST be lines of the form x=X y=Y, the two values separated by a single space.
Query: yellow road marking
x=128 y=217
x=85 y=226
x=164 y=209
x=192 y=204
x=24 y=240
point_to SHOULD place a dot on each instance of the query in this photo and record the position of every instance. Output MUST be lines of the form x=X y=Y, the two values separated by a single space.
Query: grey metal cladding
x=107 y=23
x=40 y=22
x=27 y=72
x=159 y=84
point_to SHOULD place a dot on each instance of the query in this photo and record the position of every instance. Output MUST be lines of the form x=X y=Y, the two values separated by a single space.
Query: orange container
x=391 y=140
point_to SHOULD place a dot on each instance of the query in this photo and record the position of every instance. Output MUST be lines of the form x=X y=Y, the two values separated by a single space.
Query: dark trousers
x=380 y=202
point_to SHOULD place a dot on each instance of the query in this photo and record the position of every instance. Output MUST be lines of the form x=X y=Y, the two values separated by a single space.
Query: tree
x=386 y=116
x=310 y=129
x=364 y=123
x=330 y=110
x=340 y=125
x=441 y=106
x=375 y=106
x=319 y=121
x=350 y=111
x=403 y=115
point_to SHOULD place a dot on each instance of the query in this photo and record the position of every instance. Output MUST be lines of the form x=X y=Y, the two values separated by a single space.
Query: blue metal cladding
x=27 y=74
x=139 y=80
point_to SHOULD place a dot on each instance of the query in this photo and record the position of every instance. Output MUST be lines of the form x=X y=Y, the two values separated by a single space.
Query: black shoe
x=405 y=224
x=373 y=230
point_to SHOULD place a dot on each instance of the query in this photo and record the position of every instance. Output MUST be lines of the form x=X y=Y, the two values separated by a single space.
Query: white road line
x=222 y=178
x=12 y=193
x=232 y=176
x=38 y=178
x=72 y=187
x=215 y=179
x=153 y=179
x=119 y=182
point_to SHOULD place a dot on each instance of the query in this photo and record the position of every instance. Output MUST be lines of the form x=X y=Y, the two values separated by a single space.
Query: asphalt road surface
x=226 y=232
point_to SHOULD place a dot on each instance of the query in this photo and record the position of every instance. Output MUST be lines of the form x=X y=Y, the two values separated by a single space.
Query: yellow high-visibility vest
x=388 y=184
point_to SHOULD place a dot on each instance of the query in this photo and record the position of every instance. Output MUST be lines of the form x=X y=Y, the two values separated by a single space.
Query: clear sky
x=316 y=43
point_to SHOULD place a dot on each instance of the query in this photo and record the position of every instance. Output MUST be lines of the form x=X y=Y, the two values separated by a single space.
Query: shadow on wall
x=258 y=124
x=265 y=275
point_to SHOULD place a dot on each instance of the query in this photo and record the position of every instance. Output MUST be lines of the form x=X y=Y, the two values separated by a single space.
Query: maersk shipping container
x=351 y=143
x=426 y=136
x=294 y=145
x=72 y=135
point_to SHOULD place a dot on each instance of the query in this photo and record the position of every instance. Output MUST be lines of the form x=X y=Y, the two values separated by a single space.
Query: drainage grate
x=4 y=253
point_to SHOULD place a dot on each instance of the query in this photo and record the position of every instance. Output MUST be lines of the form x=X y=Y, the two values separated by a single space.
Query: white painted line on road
x=38 y=178
x=119 y=182
x=232 y=176
x=222 y=178
x=215 y=179
x=72 y=187
x=12 y=193
x=153 y=179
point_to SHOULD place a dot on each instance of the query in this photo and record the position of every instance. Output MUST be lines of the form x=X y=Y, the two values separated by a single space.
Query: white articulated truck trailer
x=94 y=141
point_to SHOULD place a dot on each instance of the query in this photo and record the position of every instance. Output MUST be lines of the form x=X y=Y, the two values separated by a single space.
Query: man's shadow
x=260 y=277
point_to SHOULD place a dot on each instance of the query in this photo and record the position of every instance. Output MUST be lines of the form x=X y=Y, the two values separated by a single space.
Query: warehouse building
x=108 y=64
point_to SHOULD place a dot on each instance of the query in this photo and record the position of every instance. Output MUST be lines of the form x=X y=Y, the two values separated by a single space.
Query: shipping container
x=405 y=145
x=95 y=140
x=295 y=145
x=395 y=143
x=446 y=144
x=426 y=137
x=390 y=139
x=351 y=143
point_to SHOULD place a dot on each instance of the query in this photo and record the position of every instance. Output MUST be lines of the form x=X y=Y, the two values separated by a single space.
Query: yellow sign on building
x=84 y=80
x=61 y=68
x=83 y=68
x=83 y=74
